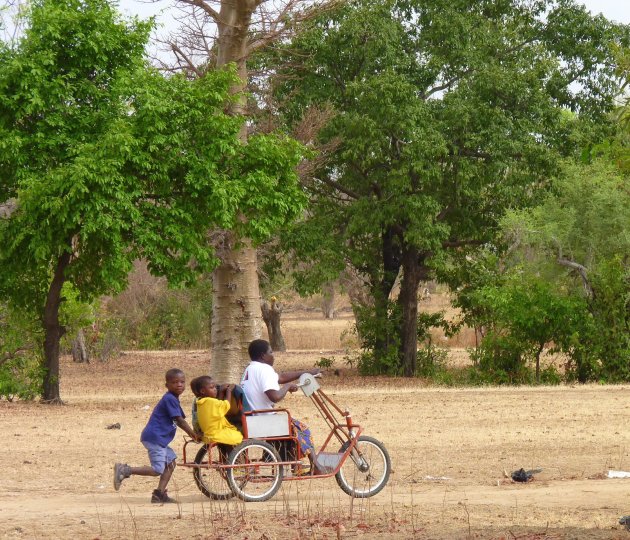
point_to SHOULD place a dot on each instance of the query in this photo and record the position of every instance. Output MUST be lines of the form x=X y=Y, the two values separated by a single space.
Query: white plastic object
x=618 y=474
x=327 y=462
x=267 y=425
x=308 y=384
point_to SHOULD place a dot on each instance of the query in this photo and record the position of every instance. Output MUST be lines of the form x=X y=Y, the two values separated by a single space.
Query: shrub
x=21 y=371
x=21 y=377
x=325 y=363
x=149 y=315
x=431 y=361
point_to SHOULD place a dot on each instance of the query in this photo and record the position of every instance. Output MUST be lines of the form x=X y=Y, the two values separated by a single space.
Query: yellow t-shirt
x=211 y=416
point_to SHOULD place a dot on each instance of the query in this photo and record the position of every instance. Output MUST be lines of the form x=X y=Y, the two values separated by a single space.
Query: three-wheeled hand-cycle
x=270 y=453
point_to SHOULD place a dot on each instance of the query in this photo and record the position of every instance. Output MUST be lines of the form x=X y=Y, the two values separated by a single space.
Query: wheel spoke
x=211 y=480
x=257 y=476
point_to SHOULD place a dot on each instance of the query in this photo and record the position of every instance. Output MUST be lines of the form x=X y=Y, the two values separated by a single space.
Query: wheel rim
x=359 y=480
x=257 y=476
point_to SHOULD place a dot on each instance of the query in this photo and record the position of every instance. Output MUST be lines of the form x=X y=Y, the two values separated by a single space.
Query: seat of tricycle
x=259 y=426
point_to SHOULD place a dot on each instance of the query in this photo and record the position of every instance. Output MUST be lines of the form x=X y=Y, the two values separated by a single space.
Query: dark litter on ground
x=524 y=476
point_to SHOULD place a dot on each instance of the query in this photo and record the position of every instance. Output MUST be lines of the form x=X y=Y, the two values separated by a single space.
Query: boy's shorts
x=159 y=456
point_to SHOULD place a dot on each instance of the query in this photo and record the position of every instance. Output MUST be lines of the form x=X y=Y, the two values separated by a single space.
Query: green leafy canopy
x=106 y=159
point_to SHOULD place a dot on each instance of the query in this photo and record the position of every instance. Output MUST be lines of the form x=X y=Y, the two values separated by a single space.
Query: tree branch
x=339 y=187
x=7 y=356
x=180 y=54
x=461 y=243
x=205 y=7
x=580 y=270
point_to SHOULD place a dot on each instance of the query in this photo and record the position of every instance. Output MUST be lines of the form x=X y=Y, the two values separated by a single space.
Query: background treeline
x=480 y=144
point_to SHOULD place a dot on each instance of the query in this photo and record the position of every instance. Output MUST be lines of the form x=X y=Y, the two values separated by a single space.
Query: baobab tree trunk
x=271 y=314
x=53 y=332
x=236 y=317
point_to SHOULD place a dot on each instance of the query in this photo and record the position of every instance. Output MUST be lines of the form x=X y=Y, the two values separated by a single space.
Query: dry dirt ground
x=449 y=448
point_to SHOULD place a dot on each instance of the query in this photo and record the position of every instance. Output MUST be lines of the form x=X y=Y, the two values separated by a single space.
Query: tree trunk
x=328 y=300
x=53 y=332
x=538 y=353
x=391 y=258
x=79 y=350
x=236 y=317
x=414 y=272
x=271 y=314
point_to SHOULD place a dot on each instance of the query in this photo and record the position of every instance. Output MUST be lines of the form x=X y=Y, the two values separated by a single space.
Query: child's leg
x=224 y=451
x=166 y=476
x=162 y=465
x=143 y=471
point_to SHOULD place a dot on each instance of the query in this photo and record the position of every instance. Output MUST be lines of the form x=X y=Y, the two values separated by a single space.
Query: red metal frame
x=342 y=429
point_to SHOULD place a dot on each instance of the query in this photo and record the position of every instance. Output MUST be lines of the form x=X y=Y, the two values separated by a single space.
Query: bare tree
x=215 y=33
x=328 y=300
x=271 y=313
x=79 y=349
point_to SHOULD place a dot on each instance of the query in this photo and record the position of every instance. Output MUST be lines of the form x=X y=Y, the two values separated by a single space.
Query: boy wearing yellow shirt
x=211 y=413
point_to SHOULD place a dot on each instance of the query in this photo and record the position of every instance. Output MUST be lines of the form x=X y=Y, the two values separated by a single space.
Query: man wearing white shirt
x=264 y=387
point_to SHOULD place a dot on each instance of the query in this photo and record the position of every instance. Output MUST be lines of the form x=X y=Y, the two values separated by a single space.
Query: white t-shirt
x=257 y=379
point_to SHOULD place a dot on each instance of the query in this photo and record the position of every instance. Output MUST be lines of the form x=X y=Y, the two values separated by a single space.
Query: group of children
x=209 y=425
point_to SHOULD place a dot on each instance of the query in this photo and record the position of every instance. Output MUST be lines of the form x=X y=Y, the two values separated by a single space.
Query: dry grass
x=56 y=480
x=304 y=327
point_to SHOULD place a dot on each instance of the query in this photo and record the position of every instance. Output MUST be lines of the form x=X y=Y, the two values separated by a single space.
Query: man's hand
x=292 y=388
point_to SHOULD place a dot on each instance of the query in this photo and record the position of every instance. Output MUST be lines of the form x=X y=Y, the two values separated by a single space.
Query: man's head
x=175 y=381
x=260 y=350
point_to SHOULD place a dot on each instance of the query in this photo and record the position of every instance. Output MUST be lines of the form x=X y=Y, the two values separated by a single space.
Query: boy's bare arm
x=228 y=392
x=181 y=423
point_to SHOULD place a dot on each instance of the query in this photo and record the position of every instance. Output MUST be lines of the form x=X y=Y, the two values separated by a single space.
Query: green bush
x=610 y=309
x=501 y=359
x=21 y=377
x=21 y=371
x=379 y=335
x=431 y=361
x=325 y=362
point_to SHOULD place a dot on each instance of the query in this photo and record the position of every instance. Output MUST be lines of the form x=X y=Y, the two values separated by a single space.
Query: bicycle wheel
x=257 y=476
x=212 y=482
x=366 y=470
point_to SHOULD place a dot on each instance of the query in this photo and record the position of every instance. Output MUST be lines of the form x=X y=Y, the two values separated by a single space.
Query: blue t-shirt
x=161 y=428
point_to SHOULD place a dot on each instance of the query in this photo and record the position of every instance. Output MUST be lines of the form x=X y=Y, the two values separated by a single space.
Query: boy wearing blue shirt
x=156 y=436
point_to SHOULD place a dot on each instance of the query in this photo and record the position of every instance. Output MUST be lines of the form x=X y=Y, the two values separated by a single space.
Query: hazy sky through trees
x=616 y=10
